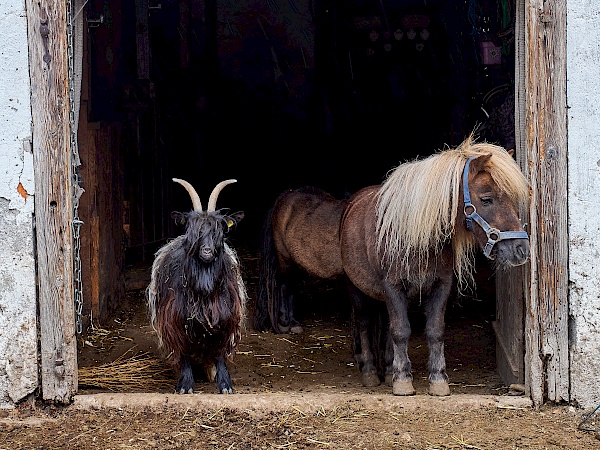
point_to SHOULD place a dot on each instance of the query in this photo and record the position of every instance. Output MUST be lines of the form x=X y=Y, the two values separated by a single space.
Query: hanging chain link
x=76 y=182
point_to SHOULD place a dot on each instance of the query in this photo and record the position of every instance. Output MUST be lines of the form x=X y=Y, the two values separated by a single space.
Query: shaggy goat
x=196 y=296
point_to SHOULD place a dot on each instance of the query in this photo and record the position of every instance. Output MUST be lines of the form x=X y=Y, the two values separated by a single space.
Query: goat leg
x=185 y=385
x=222 y=378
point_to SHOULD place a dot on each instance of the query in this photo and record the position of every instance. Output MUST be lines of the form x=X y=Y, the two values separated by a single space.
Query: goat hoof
x=403 y=388
x=226 y=391
x=439 y=389
x=184 y=391
x=296 y=329
x=370 y=379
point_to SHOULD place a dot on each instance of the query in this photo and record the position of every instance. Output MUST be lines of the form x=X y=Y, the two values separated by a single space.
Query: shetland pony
x=300 y=237
x=411 y=237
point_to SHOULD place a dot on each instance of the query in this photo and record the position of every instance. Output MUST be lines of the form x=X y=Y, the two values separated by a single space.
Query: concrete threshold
x=305 y=402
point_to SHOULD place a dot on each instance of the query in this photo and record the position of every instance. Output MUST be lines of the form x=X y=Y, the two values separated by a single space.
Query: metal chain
x=75 y=161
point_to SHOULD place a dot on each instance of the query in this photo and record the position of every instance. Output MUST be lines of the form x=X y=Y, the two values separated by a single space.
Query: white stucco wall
x=583 y=98
x=18 y=335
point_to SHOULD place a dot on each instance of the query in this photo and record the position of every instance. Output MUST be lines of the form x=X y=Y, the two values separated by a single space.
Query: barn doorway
x=277 y=95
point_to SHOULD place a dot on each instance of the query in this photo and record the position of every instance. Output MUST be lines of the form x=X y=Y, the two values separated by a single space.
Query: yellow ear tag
x=229 y=223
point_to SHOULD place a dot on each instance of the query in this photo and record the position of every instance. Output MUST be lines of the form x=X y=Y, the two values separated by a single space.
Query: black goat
x=196 y=296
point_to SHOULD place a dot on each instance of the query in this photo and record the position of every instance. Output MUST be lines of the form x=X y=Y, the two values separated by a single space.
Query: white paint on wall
x=18 y=323
x=583 y=98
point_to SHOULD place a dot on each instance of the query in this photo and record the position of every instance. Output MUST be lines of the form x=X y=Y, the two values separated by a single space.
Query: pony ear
x=479 y=163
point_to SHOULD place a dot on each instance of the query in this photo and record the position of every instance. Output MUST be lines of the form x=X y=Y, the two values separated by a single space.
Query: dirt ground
x=293 y=391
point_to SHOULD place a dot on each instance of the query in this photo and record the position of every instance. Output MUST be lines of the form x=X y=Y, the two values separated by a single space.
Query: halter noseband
x=493 y=234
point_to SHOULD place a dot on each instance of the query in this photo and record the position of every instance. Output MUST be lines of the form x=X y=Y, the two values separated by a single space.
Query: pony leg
x=383 y=346
x=287 y=321
x=435 y=311
x=362 y=339
x=400 y=333
x=389 y=358
x=185 y=384
x=222 y=378
x=295 y=327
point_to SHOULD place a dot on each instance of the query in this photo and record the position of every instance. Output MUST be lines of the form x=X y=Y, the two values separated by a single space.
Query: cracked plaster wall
x=583 y=86
x=18 y=323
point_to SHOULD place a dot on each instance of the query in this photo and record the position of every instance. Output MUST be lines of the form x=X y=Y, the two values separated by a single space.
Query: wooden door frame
x=541 y=136
x=541 y=132
x=53 y=176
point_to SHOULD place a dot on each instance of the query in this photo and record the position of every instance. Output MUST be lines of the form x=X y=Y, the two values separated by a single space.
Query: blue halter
x=493 y=234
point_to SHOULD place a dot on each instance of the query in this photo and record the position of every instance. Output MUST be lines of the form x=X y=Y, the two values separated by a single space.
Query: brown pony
x=300 y=237
x=408 y=239
x=411 y=237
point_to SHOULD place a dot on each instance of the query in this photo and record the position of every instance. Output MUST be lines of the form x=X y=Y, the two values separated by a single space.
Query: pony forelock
x=418 y=204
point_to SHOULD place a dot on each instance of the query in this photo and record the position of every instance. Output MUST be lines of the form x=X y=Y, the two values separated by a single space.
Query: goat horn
x=212 y=201
x=195 y=198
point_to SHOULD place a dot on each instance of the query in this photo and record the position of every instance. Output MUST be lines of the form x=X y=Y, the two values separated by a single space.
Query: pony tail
x=268 y=297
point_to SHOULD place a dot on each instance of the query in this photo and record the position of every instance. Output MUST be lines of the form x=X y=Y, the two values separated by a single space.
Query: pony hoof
x=439 y=389
x=370 y=379
x=389 y=380
x=296 y=329
x=403 y=388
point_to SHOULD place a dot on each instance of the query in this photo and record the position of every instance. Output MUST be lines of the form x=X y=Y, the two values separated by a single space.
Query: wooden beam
x=545 y=144
x=53 y=175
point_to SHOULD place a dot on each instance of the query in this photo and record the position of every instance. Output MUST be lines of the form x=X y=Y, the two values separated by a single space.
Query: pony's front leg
x=397 y=305
x=435 y=311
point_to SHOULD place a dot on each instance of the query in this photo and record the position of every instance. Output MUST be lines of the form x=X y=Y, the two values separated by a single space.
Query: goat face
x=205 y=232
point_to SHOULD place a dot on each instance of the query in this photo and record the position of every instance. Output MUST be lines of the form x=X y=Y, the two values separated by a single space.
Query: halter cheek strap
x=493 y=234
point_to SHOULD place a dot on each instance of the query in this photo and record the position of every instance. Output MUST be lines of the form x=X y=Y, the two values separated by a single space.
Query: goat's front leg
x=185 y=385
x=222 y=378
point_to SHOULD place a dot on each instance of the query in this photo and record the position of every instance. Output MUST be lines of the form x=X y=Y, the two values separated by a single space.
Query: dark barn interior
x=276 y=94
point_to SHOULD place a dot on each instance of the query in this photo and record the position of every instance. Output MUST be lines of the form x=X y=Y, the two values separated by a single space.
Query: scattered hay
x=128 y=372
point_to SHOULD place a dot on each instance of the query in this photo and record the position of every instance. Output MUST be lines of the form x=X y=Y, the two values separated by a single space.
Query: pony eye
x=487 y=201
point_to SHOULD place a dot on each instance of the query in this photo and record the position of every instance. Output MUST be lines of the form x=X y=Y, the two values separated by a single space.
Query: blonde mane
x=418 y=205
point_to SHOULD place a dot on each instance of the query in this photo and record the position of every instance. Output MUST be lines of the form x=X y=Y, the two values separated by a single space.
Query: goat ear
x=511 y=152
x=234 y=218
x=178 y=217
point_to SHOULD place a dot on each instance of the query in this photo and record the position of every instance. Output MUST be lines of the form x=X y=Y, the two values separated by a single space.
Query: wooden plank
x=89 y=215
x=545 y=142
x=142 y=39
x=508 y=325
x=53 y=176
x=109 y=197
